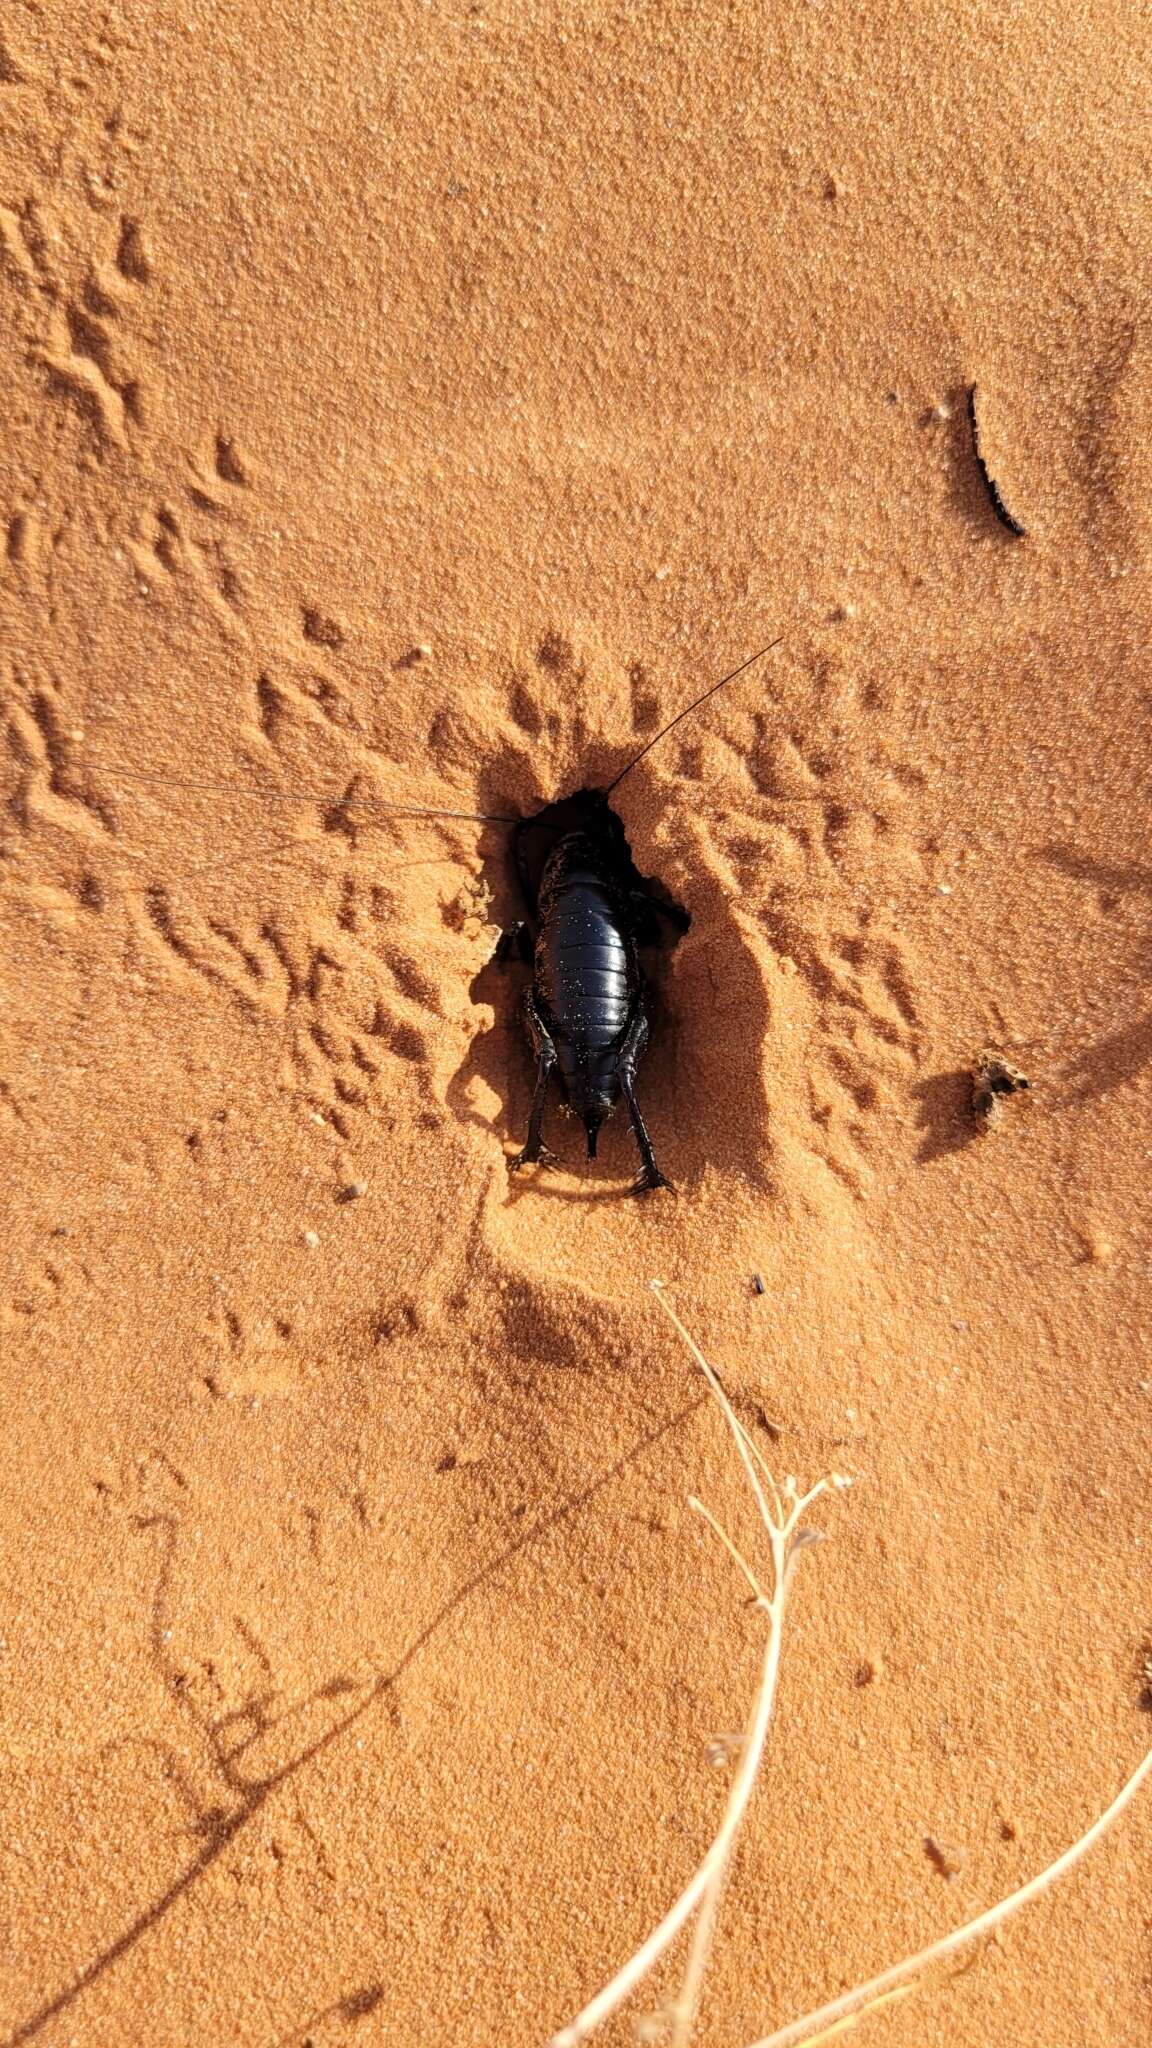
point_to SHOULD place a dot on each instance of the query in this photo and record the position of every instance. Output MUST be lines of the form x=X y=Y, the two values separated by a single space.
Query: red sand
x=427 y=403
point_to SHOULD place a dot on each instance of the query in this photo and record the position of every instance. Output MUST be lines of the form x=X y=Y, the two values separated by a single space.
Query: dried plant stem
x=840 y=2012
x=639 y=1965
x=781 y=1512
x=683 y=2012
x=781 y=1515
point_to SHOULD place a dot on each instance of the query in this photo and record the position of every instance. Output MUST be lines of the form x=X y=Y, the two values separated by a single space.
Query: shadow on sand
x=230 y=1737
x=1123 y=1054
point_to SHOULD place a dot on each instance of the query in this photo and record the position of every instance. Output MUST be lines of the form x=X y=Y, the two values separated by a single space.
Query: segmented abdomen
x=586 y=969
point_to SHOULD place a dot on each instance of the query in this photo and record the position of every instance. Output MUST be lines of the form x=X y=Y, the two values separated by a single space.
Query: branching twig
x=781 y=1512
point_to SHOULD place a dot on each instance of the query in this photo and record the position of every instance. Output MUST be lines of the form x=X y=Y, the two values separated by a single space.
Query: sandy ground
x=425 y=403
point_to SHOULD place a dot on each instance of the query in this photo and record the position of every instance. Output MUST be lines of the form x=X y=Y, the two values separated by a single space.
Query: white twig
x=740 y=1562
x=684 y=2010
x=635 y=1970
x=731 y=1417
x=781 y=1518
x=840 y=2011
x=782 y=1510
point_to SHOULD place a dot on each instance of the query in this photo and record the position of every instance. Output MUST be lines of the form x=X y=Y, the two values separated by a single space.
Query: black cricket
x=590 y=911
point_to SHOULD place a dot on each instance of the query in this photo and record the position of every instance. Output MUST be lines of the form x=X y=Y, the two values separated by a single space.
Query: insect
x=590 y=913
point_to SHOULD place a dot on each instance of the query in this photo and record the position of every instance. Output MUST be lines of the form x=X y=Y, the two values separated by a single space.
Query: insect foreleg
x=545 y=1051
x=635 y=1039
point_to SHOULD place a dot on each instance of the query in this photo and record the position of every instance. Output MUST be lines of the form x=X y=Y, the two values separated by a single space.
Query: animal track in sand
x=22 y=244
x=554 y=745
x=251 y=1358
x=343 y=1004
x=217 y=476
x=84 y=287
x=28 y=537
x=167 y=558
x=41 y=1291
x=864 y=1028
x=297 y=691
x=12 y=70
x=79 y=337
x=10 y=1102
x=53 y=787
x=816 y=874
x=347 y=976
x=133 y=257
x=320 y=629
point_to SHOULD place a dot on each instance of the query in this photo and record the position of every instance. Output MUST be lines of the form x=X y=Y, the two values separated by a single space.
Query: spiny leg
x=635 y=1039
x=534 y=1147
x=651 y=1176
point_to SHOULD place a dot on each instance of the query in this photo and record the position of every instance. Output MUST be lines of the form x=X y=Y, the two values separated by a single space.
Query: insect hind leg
x=635 y=1040
x=534 y=1148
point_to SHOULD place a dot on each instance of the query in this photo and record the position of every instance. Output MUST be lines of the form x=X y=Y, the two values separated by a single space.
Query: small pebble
x=312 y=1239
x=353 y=1191
x=1098 y=1248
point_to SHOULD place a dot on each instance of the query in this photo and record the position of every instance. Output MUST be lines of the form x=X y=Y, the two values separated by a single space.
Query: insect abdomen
x=585 y=965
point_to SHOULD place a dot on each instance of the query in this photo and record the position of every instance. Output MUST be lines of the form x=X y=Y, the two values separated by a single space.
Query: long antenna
x=688 y=708
x=294 y=796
